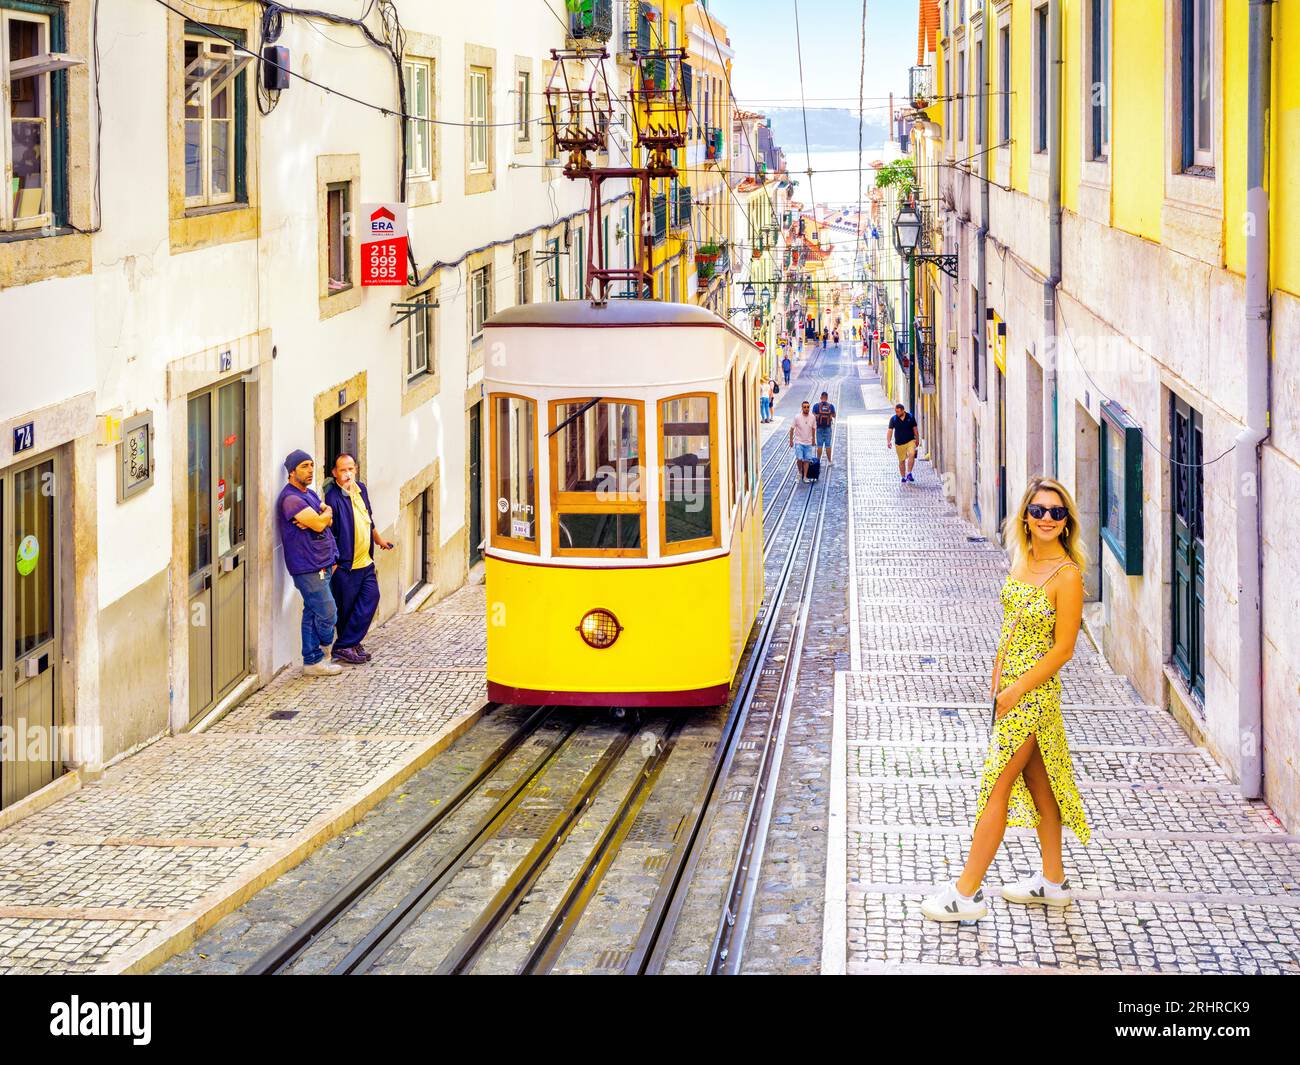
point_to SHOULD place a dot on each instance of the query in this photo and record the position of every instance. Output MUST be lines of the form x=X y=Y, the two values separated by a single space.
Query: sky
x=766 y=70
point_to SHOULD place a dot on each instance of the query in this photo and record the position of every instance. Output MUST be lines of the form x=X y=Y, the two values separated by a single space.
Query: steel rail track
x=286 y=951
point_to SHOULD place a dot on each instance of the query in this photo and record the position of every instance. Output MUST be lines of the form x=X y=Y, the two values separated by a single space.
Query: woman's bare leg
x=992 y=824
x=1049 y=816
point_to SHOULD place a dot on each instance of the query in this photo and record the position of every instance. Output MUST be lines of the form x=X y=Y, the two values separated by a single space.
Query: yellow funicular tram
x=625 y=558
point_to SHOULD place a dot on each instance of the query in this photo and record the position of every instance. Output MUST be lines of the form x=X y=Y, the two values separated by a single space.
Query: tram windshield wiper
x=575 y=415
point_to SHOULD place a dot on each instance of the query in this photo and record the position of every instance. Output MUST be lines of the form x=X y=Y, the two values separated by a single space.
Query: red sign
x=383 y=244
x=761 y=346
x=885 y=347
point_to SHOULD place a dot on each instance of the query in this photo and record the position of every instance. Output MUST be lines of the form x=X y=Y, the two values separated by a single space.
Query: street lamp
x=907 y=231
x=766 y=297
x=747 y=294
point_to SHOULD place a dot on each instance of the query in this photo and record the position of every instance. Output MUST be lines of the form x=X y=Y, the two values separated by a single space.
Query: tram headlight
x=599 y=628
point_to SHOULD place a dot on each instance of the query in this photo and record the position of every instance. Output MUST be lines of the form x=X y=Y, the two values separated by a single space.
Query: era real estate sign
x=383 y=244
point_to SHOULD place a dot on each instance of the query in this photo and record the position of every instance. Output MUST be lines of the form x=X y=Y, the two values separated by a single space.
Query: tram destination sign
x=383 y=244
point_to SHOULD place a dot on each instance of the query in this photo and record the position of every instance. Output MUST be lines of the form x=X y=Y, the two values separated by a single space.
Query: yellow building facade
x=1094 y=155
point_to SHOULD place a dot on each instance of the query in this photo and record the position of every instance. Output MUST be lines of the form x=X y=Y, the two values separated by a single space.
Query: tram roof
x=616 y=314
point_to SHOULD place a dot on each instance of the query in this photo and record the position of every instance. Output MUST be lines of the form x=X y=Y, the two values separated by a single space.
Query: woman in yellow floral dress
x=1028 y=776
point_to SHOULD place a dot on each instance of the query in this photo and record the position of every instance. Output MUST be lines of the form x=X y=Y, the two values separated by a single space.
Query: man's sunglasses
x=1037 y=510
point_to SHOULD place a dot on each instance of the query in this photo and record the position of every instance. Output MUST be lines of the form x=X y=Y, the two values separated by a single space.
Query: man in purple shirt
x=310 y=552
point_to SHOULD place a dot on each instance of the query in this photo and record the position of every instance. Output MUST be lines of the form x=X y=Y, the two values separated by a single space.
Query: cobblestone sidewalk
x=1183 y=875
x=124 y=872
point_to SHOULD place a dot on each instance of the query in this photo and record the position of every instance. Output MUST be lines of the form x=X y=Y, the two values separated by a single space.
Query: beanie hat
x=295 y=458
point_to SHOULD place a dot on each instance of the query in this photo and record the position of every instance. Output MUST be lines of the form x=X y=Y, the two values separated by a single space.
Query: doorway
x=476 y=483
x=1087 y=495
x=218 y=492
x=342 y=433
x=1002 y=445
x=30 y=649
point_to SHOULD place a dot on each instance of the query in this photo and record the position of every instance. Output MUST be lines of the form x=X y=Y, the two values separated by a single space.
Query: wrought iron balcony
x=921 y=86
x=591 y=20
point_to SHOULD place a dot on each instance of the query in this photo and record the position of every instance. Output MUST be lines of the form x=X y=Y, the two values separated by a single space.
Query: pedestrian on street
x=836 y=336
x=765 y=400
x=354 y=584
x=902 y=437
x=1028 y=777
x=785 y=368
x=309 y=556
x=824 y=415
x=803 y=434
x=826 y=335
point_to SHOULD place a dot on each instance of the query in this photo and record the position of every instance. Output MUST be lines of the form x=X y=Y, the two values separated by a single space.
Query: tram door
x=475 y=482
x=218 y=546
x=30 y=652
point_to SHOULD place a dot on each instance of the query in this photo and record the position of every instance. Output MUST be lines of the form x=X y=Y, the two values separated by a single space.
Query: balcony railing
x=920 y=83
x=712 y=142
x=591 y=20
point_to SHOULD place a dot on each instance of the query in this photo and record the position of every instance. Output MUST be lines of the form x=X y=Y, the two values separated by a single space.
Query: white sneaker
x=1038 y=890
x=322 y=669
x=947 y=904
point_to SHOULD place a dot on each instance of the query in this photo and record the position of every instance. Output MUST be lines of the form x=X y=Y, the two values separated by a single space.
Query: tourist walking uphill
x=901 y=436
x=354 y=583
x=1028 y=775
x=309 y=556
x=803 y=435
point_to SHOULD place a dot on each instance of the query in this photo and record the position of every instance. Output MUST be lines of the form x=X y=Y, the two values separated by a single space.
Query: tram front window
x=688 y=472
x=599 y=498
x=514 y=473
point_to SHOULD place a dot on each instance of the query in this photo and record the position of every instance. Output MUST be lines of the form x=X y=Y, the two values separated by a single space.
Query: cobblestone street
x=1183 y=875
x=124 y=871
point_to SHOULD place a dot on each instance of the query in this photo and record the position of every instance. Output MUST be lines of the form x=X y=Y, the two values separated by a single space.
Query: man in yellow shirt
x=354 y=583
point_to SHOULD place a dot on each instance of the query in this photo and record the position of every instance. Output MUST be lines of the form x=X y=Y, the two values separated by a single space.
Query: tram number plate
x=24 y=437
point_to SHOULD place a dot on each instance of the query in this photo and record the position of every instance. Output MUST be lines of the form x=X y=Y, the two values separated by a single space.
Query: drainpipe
x=1250 y=701
x=981 y=238
x=1051 y=410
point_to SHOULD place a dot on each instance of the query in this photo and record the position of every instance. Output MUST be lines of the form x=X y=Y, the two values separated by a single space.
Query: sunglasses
x=1037 y=510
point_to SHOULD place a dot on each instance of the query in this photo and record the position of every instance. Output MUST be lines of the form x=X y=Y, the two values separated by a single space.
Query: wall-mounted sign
x=24 y=437
x=135 y=456
x=383 y=244
x=1121 y=486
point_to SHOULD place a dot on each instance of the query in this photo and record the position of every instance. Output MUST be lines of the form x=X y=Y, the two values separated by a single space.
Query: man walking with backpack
x=824 y=416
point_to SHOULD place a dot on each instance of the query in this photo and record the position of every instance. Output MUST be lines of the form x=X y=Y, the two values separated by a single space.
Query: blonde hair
x=1015 y=530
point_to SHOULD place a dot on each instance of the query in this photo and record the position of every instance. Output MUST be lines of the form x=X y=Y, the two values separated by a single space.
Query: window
x=675 y=283
x=339 y=235
x=214 y=135
x=689 y=483
x=417 y=75
x=523 y=278
x=523 y=105
x=514 y=472
x=961 y=97
x=553 y=269
x=579 y=266
x=33 y=132
x=598 y=491
x=1004 y=84
x=746 y=430
x=415 y=543
x=1198 y=86
x=1099 y=79
x=419 y=338
x=1040 y=79
x=947 y=102
x=478 y=118
x=731 y=435
x=980 y=102
x=1187 y=476
x=480 y=300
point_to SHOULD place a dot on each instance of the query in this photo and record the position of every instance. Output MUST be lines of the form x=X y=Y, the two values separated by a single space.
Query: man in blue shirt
x=785 y=368
x=824 y=415
x=310 y=552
